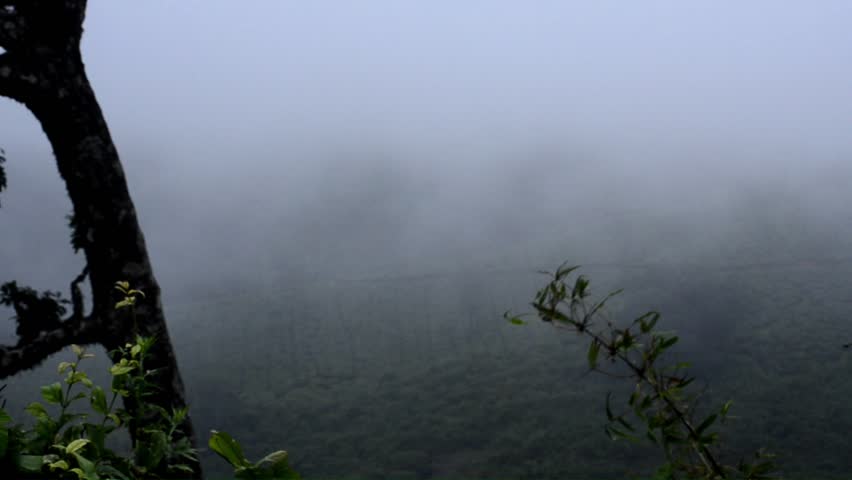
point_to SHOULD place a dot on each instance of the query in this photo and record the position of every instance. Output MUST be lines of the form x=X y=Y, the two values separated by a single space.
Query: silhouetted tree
x=42 y=68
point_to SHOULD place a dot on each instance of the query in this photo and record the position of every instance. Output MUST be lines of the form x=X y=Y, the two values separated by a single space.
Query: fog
x=286 y=145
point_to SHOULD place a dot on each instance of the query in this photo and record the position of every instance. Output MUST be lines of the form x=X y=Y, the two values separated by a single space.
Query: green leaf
x=30 y=463
x=706 y=423
x=580 y=285
x=118 y=369
x=76 y=445
x=127 y=302
x=74 y=377
x=624 y=340
x=228 y=448
x=668 y=342
x=602 y=303
x=78 y=396
x=179 y=414
x=63 y=366
x=150 y=452
x=181 y=467
x=683 y=382
x=647 y=321
x=97 y=434
x=246 y=473
x=87 y=466
x=112 y=472
x=52 y=393
x=99 y=403
x=594 y=349
x=37 y=410
x=59 y=465
x=677 y=368
x=563 y=270
x=115 y=418
x=726 y=407
x=276 y=466
x=77 y=350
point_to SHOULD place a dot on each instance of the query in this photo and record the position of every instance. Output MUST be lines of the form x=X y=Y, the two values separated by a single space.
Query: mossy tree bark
x=42 y=68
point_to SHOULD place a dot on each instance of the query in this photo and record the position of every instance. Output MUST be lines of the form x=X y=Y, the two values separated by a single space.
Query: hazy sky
x=438 y=125
x=184 y=74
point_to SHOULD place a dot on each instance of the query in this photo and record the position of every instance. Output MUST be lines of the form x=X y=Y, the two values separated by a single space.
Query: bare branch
x=31 y=354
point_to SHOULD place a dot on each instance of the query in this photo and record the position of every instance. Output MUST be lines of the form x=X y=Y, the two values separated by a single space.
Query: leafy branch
x=660 y=399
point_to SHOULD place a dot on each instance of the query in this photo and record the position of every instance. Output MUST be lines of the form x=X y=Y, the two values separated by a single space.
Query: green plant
x=660 y=398
x=68 y=446
x=273 y=466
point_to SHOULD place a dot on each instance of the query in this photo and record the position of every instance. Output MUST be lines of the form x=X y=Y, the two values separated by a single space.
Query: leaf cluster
x=70 y=444
x=661 y=400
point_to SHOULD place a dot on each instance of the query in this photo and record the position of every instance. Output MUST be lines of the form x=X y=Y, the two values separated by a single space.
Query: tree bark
x=43 y=69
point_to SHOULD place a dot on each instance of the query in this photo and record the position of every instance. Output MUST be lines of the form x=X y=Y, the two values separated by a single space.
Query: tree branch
x=7 y=73
x=14 y=81
x=14 y=359
x=77 y=295
x=11 y=26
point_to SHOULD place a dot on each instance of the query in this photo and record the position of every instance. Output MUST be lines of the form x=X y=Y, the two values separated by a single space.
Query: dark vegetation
x=520 y=403
x=370 y=385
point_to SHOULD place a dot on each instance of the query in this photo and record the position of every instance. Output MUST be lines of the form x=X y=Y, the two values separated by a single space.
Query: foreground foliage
x=69 y=445
x=661 y=399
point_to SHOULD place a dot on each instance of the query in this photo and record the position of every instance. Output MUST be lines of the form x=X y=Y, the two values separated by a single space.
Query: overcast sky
x=439 y=120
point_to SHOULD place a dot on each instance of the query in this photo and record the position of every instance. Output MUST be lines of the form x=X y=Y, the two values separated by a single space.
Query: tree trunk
x=43 y=69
